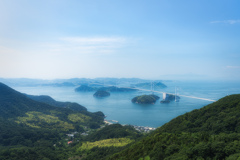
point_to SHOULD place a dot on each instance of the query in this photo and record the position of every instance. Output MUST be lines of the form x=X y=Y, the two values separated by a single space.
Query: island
x=101 y=93
x=85 y=88
x=145 y=99
x=169 y=97
x=153 y=85
x=117 y=89
x=172 y=97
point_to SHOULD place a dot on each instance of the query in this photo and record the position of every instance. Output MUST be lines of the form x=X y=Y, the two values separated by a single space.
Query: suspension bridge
x=180 y=95
x=205 y=99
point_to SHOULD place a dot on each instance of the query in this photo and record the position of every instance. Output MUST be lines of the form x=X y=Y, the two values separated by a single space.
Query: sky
x=150 y=39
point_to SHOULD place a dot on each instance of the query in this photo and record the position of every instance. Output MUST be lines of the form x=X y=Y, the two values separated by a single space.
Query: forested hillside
x=49 y=100
x=211 y=132
x=105 y=142
x=33 y=129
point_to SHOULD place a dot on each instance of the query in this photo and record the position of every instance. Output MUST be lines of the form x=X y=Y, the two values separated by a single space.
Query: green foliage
x=78 y=117
x=114 y=131
x=34 y=130
x=188 y=145
x=101 y=153
x=145 y=158
x=115 y=142
x=222 y=116
x=145 y=99
x=94 y=125
x=49 y=100
x=234 y=157
x=40 y=120
x=107 y=141
x=101 y=93
x=155 y=96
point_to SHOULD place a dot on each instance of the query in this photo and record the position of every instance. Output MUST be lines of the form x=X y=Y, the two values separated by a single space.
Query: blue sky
x=155 y=39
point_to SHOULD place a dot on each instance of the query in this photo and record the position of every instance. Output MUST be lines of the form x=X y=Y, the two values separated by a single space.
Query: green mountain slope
x=35 y=130
x=211 y=132
x=222 y=116
x=114 y=131
x=105 y=142
x=49 y=100
x=13 y=103
x=21 y=109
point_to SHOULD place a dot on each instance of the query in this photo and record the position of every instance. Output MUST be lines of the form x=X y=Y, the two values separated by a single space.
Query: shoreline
x=138 y=128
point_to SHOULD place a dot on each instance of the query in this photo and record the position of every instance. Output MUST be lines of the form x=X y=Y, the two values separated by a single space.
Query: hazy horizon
x=158 y=39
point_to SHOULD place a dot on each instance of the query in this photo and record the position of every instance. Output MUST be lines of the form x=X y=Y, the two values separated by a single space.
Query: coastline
x=145 y=129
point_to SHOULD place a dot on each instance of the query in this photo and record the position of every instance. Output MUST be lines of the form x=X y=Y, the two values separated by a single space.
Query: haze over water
x=120 y=108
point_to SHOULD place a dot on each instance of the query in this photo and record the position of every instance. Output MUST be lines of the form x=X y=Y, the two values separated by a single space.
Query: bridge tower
x=152 y=87
x=165 y=96
x=176 y=95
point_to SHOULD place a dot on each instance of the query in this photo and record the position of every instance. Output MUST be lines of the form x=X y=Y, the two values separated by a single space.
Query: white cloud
x=85 y=45
x=62 y=57
x=94 y=40
x=227 y=21
x=6 y=50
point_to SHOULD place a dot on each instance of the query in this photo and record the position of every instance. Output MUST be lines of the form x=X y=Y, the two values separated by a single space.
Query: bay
x=118 y=106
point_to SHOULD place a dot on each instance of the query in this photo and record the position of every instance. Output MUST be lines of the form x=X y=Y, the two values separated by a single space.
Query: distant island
x=149 y=85
x=145 y=99
x=86 y=88
x=64 y=84
x=101 y=93
x=117 y=89
x=169 y=97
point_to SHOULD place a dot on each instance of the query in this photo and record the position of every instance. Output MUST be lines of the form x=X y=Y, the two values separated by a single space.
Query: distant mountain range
x=150 y=85
x=73 y=82
x=86 y=88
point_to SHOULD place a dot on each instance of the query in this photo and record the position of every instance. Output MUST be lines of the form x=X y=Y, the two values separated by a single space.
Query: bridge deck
x=174 y=94
x=205 y=99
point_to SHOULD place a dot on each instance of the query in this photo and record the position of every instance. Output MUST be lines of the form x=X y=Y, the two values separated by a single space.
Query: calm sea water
x=119 y=106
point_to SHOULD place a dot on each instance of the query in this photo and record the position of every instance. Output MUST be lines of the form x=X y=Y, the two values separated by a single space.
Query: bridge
x=205 y=99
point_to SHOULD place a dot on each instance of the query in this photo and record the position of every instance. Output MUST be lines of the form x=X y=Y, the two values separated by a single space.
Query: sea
x=118 y=106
